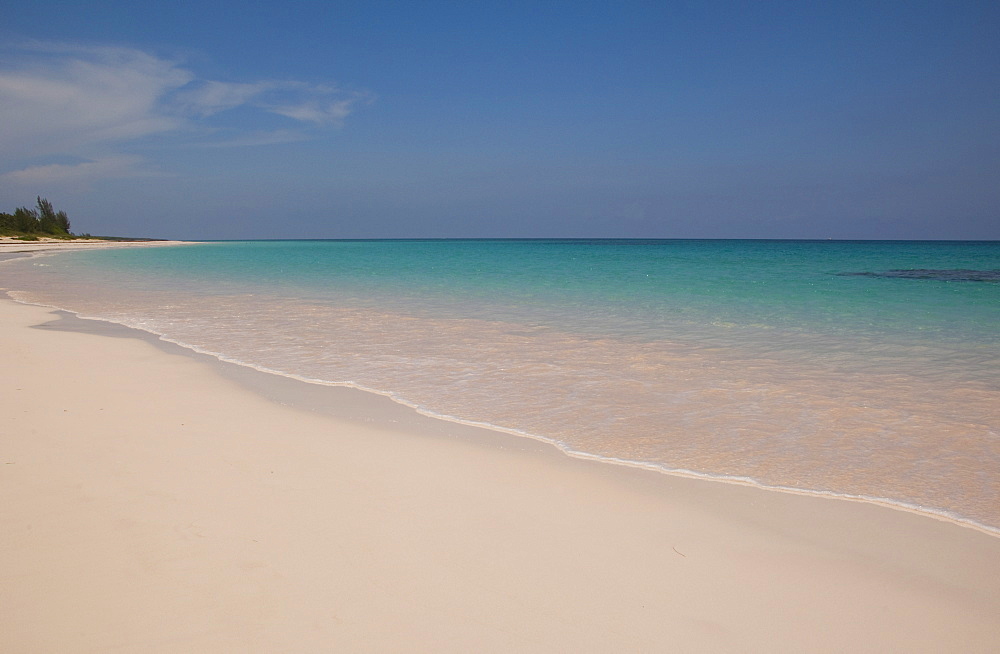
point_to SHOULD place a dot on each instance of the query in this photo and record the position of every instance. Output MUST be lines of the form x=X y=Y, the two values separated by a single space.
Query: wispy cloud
x=61 y=99
x=89 y=102
x=317 y=104
x=84 y=172
x=206 y=98
x=319 y=113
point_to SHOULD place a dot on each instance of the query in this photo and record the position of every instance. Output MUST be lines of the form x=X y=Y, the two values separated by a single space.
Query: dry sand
x=156 y=501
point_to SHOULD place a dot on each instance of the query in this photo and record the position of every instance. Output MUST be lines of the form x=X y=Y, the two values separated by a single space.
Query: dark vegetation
x=30 y=224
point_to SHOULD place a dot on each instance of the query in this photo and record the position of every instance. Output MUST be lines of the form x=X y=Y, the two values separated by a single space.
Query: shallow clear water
x=817 y=366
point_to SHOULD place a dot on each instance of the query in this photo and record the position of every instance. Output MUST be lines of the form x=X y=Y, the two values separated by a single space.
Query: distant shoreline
x=11 y=244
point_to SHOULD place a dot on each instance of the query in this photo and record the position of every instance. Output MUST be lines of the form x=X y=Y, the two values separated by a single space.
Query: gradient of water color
x=863 y=369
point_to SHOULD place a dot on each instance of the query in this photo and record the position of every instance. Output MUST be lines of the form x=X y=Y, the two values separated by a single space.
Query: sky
x=219 y=119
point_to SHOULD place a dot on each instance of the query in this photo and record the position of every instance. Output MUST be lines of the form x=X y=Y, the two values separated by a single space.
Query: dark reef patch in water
x=957 y=275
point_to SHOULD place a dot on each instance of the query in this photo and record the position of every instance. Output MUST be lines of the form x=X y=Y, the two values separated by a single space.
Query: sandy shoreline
x=10 y=245
x=155 y=500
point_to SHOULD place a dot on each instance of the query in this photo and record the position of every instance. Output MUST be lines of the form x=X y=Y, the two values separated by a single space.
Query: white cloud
x=321 y=105
x=67 y=99
x=208 y=98
x=319 y=113
x=79 y=173
x=87 y=102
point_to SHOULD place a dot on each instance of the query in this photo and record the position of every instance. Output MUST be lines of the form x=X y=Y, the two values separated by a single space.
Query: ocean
x=862 y=369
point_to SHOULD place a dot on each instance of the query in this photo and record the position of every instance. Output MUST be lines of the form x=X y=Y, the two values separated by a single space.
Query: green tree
x=44 y=219
x=26 y=220
x=47 y=223
x=6 y=223
x=62 y=220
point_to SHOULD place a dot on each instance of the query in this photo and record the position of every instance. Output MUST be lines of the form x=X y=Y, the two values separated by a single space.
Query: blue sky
x=504 y=119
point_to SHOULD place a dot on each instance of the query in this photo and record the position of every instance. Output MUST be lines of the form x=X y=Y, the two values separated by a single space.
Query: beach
x=15 y=246
x=161 y=501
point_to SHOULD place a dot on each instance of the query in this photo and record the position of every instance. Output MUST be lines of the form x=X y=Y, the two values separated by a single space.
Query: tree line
x=43 y=220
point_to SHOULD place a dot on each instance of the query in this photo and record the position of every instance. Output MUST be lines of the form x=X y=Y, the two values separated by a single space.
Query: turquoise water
x=809 y=365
